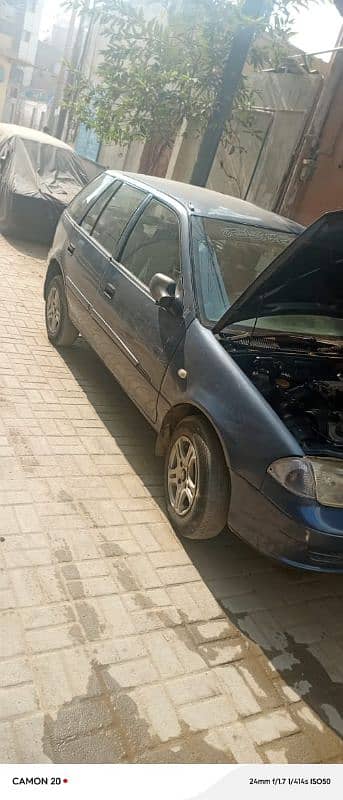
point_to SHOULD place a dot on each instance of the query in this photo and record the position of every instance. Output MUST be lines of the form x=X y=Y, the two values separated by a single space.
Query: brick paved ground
x=118 y=643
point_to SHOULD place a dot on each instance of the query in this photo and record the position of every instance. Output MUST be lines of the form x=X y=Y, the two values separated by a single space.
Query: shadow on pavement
x=31 y=249
x=294 y=617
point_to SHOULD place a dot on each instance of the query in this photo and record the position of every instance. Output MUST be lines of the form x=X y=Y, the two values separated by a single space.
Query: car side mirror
x=163 y=290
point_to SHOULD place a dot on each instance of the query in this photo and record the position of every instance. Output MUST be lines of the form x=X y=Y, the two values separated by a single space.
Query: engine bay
x=304 y=388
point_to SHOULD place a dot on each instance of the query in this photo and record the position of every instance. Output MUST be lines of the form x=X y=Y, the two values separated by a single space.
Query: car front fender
x=204 y=377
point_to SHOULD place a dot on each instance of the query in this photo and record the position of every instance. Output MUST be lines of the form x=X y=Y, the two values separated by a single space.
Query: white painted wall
x=28 y=49
x=33 y=114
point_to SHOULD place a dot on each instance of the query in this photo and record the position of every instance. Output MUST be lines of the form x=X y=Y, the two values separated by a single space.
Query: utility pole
x=232 y=74
x=54 y=125
x=80 y=55
x=77 y=55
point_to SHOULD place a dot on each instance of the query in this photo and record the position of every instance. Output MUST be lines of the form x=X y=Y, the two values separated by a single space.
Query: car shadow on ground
x=30 y=249
x=293 y=616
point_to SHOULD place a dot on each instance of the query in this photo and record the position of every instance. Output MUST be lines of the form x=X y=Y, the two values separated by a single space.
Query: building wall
x=111 y=155
x=5 y=67
x=257 y=173
x=4 y=75
x=33 y=114
x=11 y=17
x=44 y=77
x=29 y=36
x=320 y=186
x=19 y=28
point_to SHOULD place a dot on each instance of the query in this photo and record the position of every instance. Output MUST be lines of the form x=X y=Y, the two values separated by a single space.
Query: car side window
x=85 y=199
x=154 y=244
x=116 y=215
x=94 y=212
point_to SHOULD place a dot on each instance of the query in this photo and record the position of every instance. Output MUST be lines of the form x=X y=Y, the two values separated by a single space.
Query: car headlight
x=318 y=479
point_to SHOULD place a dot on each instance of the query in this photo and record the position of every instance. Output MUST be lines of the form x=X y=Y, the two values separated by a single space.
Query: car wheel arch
x=172 y=418
x=54 y=268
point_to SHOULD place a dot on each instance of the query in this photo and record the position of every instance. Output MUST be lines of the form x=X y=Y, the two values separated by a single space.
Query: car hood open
x=306 y=278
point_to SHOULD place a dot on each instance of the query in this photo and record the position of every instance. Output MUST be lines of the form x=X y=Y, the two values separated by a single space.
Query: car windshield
x=228 y=257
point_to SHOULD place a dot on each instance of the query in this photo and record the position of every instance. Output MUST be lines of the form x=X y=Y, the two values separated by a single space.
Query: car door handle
x=109 y=291
x=71 y=248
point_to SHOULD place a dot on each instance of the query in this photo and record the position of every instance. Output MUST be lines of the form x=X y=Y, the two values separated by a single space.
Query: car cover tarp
x=37 y=170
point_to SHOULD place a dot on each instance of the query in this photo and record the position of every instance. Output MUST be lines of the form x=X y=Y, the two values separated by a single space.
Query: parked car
x=39 y=176
x=223 y=323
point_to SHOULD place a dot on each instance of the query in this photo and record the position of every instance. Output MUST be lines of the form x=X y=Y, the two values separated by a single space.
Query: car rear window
x=83 y=201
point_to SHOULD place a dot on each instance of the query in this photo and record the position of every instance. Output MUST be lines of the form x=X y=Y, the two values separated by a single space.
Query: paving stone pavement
x=119 y=643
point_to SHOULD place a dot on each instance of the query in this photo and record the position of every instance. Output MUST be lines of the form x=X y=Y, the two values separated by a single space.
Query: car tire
x=197 y=481
x=60 y=329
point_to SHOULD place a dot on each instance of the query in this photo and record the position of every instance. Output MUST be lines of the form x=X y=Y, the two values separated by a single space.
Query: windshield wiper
x=307 y=342
x=234 y=336
x=312 y=342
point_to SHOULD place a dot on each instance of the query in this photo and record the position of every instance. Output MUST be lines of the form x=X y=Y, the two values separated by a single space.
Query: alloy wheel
x=183 y=471
x=53 y=310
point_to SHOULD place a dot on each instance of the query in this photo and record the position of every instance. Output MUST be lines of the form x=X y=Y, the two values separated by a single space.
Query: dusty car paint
x=172 y=365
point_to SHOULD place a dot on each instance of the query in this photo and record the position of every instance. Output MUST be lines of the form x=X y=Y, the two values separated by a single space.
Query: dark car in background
x=39 y=176
x=223 y=323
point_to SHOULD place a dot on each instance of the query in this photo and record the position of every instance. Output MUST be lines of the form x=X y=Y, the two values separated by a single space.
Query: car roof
x=205 y=202
x=8 y=131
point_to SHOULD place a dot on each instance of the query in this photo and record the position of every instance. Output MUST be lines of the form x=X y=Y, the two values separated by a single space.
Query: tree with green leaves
x=157 y=71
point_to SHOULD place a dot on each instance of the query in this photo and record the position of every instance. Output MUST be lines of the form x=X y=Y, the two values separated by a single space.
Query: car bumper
x=296 y=532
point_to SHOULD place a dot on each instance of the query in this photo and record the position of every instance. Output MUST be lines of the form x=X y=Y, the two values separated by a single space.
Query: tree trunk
x=223 y=105
x=155 y=158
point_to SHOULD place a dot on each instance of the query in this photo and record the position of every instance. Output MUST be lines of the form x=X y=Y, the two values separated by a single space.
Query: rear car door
x=81 y=272
x=88 y=256
x=144 y=334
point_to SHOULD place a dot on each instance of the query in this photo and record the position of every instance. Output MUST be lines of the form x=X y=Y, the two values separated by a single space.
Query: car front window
x=227 y=258
x=154 y=244
x=116 y=215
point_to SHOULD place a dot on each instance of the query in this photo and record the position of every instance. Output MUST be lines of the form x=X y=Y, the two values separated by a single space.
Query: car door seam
x=75 y=289
x=132 y=278
x=167 y=367
x=113 y=335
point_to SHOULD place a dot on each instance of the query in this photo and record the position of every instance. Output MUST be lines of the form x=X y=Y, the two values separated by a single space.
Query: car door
x=82 y=267
x=91 y=250
x=142 y=336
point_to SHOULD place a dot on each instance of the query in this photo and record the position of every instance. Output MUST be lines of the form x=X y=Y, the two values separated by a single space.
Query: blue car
x=223 y=323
